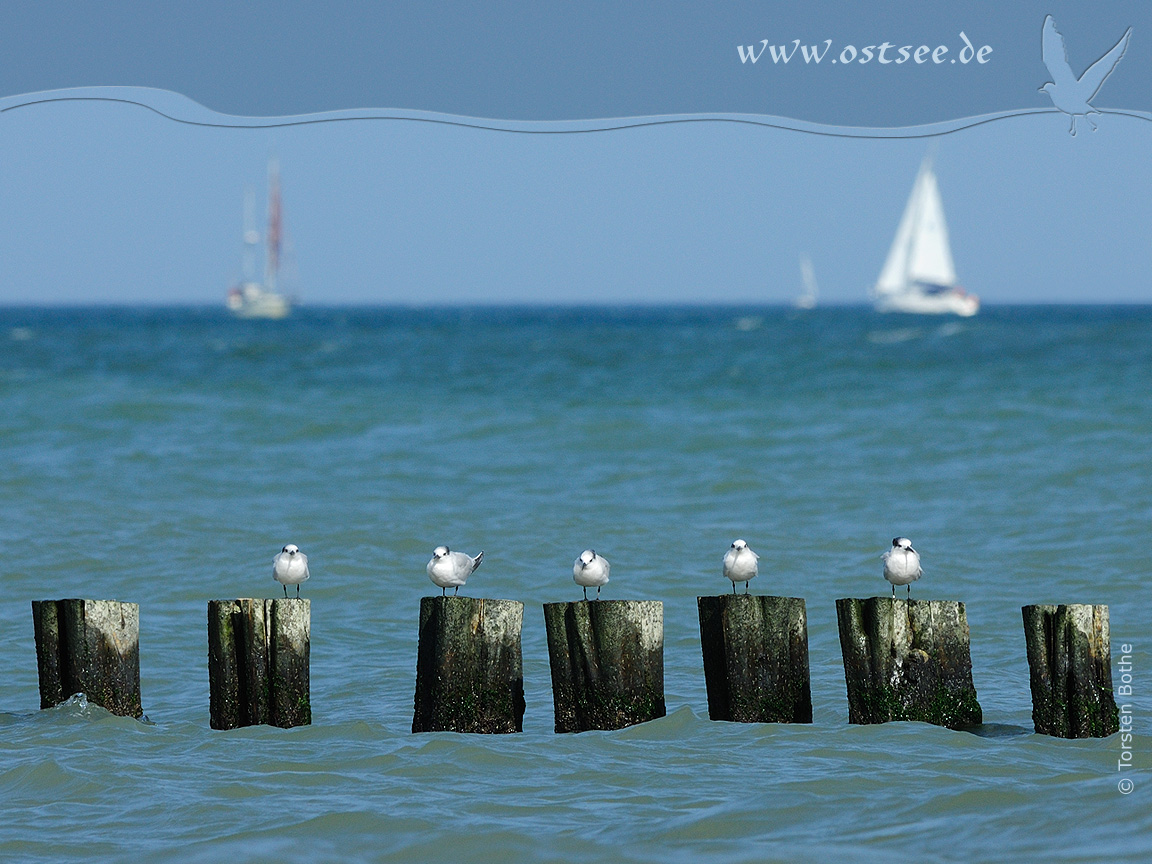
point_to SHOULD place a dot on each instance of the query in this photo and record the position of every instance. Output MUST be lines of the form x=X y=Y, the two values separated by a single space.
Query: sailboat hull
x=252 y=301
x=951 y=302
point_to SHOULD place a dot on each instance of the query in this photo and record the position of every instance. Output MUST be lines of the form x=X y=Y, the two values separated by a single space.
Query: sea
x=163 y=456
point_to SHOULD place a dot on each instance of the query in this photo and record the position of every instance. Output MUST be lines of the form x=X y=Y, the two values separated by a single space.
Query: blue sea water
x=162 y=456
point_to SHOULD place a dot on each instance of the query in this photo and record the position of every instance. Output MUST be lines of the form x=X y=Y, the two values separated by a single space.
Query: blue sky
x=105 y=202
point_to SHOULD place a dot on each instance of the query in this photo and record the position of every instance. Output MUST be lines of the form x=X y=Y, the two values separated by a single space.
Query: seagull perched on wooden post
x=902 y=564
x=1070 y=94
x=449 y=569
x=740 y=564
x=290 y=567
x=591 y=571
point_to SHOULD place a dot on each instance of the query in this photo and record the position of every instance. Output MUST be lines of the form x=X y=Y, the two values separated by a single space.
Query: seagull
x=902 y=564
x=1070 y=94
x=449 y=569
x=290 y=567
x=591 y=570
x=740 y=564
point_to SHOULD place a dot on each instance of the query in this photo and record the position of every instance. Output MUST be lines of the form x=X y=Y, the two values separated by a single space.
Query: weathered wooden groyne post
x=258 y=656
x=756 y=658
x=1070 y=665
x=469 y=670
x=607 y=659
x=90 y=647
x=907 y=660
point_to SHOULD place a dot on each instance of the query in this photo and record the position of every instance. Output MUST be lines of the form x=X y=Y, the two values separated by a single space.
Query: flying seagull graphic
x=1070 y=94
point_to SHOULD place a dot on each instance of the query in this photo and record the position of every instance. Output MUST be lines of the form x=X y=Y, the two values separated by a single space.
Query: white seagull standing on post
x=740 y=564
x=1070 y=94
x=591 y=571
x=290 y=567
x=902 y=564
x=449 y=569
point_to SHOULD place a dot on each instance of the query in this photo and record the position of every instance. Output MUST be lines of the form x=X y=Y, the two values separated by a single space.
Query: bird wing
x=1056 y=56
x=1095 y=74
x=463 y=565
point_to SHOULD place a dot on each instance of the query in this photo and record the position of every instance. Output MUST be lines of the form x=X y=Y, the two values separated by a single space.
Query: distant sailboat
x=918 y=275
x=253 y=299
x=807 y=298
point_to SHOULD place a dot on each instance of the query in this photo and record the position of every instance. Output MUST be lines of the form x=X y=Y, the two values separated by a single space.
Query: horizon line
x=784 y=305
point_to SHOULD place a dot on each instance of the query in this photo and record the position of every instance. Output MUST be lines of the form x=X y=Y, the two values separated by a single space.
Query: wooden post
x=756 y=658
x=907 y=660
x=258 y=662
x=1070 y=665
x=90 y=647
x=469 y=671
x=607 y=659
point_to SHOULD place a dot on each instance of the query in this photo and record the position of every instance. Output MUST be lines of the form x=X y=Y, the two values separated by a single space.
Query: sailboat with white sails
x=919 y=275
x=807 y=299
x=250 y=298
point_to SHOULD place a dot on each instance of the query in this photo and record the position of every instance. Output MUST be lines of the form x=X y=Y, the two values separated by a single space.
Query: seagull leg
x=297 y=592
x=285 y=592
x=444 y=592
x=585 y=593
x=598 y=592
x=909 y=590
x=745 y=587
x=456 y=591
x=1073 y=129
x=893 y=590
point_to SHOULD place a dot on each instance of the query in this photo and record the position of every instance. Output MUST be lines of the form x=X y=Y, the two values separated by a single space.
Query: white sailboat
x=919 y=275
x=251 y=298
x=807 y=299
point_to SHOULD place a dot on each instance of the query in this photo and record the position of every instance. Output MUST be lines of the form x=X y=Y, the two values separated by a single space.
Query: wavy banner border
x=180 y=109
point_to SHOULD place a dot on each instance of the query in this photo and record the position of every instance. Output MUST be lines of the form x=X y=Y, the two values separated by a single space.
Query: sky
x=110 y=202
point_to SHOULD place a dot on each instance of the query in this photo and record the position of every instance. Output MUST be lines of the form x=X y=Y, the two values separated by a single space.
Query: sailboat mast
x=272 y=261
x=251 y=236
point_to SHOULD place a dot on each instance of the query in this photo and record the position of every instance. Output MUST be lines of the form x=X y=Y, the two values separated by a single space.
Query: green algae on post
x=755 y=652
x=607 y=661
x=1070 y=670
x=907 y=660
x=469 y=669
x=258 y=662
x=90 y=647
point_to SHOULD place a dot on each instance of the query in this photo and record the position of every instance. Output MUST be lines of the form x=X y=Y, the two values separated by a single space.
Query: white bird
x=290 y=567
x=740 y=564
x=449 y=569
x=902 y=564
x=1070 y=94
x=591 y=571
